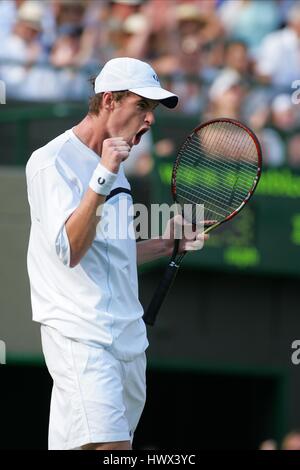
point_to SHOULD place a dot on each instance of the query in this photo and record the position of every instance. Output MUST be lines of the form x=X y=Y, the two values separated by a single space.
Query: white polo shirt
x=96 y=302
x=279 y=57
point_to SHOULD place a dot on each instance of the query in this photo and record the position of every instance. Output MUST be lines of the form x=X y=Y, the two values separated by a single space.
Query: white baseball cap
x=223 y=82
x=125 y=73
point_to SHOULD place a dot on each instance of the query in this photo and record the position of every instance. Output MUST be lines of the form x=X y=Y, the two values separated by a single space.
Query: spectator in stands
x=185 y=28
x=201 y=23
x=184 y=41
x=67 y=46
x=21 y=49
x=236 y=57
x=250 y=20
x=8 y=13
x=279 y=58
x=293 y=151
x=226 y=96
x=268 y=444
x=258 y=117
x=200 y=31
x=131 y=39
x=117 y=13
x=158 y=42
x=182 y=57
x=95 y=44
x=284 y=114
x=70 y=13
x=121 y=9
x=64 y=80
x=187 y=77
x=273 y=147
x=291 y=441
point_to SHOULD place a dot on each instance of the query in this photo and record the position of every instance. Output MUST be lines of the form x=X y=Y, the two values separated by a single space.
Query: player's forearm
x=81 y=226
x=150 y=250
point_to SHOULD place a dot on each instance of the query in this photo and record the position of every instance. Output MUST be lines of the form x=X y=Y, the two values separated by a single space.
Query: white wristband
x=102 y=180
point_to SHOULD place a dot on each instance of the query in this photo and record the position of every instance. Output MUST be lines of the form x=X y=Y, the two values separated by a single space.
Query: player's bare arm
x=81 y=225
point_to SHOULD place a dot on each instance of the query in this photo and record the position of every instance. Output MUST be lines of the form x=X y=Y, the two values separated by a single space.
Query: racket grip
x=160 y=293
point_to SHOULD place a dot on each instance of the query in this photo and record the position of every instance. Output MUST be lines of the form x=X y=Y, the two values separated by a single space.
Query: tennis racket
x=219 y=166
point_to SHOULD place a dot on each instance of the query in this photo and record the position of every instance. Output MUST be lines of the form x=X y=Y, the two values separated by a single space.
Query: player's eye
x=142 y=105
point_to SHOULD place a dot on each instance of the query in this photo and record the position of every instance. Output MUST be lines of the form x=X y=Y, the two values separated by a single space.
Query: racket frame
x=255 y=181
x=176 y=259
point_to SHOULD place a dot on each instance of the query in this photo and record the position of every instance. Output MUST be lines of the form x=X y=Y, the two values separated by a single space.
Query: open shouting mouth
x=138 y=135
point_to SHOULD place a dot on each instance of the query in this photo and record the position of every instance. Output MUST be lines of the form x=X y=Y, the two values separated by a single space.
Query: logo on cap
x=155 y=77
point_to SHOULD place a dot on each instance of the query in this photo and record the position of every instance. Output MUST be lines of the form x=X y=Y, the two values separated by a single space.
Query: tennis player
x=84 y=289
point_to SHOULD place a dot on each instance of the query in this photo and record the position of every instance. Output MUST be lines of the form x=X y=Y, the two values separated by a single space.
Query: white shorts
x=95 y=397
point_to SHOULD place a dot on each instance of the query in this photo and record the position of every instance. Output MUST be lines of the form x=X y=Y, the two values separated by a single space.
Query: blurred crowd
x=224 y=58
x=291 y=441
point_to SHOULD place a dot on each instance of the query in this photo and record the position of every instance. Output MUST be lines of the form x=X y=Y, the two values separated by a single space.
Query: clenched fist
x=114 y=151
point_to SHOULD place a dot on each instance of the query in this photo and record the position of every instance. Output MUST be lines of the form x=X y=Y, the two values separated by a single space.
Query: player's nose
x=149 y=118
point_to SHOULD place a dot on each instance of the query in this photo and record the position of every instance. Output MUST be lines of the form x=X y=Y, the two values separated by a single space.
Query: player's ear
x=108 y=100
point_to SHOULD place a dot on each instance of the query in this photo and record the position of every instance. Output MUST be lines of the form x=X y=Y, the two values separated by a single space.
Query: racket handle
x=160 y=293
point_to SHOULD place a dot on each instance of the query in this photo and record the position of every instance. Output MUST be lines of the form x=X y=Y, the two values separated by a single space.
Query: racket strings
x=210 y=210
x=222 y=197
x=231 y=134
x=194 y=179
x=212 y=153
x=235 y=144
x=223 y=165
x=234 y=147
x=217 y=167
x=209 y=201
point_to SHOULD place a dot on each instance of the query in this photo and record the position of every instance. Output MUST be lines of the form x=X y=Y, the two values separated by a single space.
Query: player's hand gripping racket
x=219 y=166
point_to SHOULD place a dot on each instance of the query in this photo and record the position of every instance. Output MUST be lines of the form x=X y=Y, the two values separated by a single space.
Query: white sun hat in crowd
x=31 y=12
x=135 y=24
x=281 y=103
x=224 y=82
